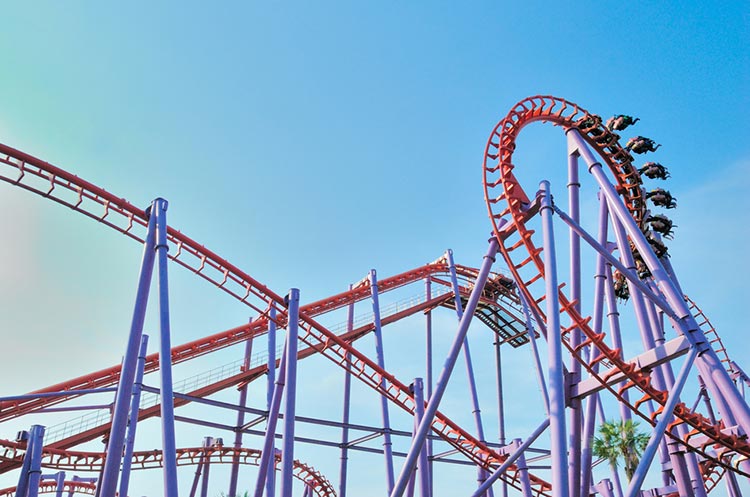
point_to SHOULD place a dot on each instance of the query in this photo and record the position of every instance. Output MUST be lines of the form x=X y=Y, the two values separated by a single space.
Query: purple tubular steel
x=666 y=416
x=197 y=477
x=271 y=475
x=169 y=445
x=558 y=447
x=442 y=383
x=423 y=466
x=476 y=411
x=347 y=399
x=614 y=327
x=600 y=278
x=110 y=470
x=717 y=379
x=428 y=346
x=535 y=352
x=267 y=458
x=500 y=402
x=511 y=459
x=23 y=478
x=127 y=458
x=379 y=351
x=56 y=394
x=522 y=470
x=207 y=442
x=60 y=483
x=290 y=396
x=36 y=442
x=235 y=472
x=576 y=416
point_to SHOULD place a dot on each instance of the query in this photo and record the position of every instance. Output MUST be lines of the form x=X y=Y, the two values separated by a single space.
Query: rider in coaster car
x=654 y=170
x=662 y=198
x=620 y=122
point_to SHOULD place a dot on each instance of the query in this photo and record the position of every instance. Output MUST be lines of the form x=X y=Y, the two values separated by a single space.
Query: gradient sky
x=308 y=142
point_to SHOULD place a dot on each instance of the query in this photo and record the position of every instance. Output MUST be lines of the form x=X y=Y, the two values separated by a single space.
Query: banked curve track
x=510 y=209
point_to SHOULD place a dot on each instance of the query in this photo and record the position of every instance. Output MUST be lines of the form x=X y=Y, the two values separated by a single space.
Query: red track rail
x=507 y=201
x=67 y=189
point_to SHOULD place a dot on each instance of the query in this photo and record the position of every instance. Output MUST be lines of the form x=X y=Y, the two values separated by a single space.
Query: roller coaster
x=629 y=343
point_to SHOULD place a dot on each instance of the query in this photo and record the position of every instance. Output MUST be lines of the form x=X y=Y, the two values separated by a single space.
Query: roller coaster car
x=620 y=286
x=661 y=224
x=662 y=198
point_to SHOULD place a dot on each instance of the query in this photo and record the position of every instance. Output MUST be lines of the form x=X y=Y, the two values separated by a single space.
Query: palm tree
x=620 y=440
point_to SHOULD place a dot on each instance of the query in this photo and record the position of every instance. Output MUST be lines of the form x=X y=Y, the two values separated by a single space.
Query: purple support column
x=290 y=397
x=600 y=278
x=523 y=469
x=535 y=351
x=576 y=417
x=558 y=447
x=36 y=440
x=347 y=398
x=271 y=475
x=127 y=458
x=23 y=478
x=717 y=379
x=428 y=346
x=379 y=351
x=442 y=383
x=666 y=416
x=165 y=354
x=476 y=411
x=111 y=468
x=500 y=403
x=267 y=458
x=197 y=477
x=423 y=466
x=60 y=484
x=207 y=442
x=235 y=472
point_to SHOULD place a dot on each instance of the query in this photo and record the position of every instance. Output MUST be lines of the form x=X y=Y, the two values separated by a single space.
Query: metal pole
x=450 y=362
x=135 y=404
x=428 y=346
x=659 y=429
x=60 y=484
x=290 y=396
x=235 y=472
x=379 y=351
x=271 y=472
x=476 y=411
x=36 y=441
x=422 y=465
x=267 y=457
x=23 y=478
x=558 y=447
x=535 y=352
x=165 y=355
x=576 y=415
x=111 y=468
x=347 y=400
x=207 y=442
x=500 y=405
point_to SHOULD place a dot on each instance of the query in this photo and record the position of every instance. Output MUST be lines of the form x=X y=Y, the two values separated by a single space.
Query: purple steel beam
x=23 y=478
x=57 y=394
x=347 y=399
x=555 y=376
x=271 y=475
x=235 y=472
x=169 y=445
x=666 y=416
x=511 y=459
x=476 y=411
x=135 y=404
x=60 y=481
x=576 y=415
x=110 y=470
x=423 y=465
x=523 y=470
x=613 y=316
x=380 y=353
x=36 y=441
x=428 y=346
x=500 y=402
x=290 y=396
x=207 y=442
x=535 y=352
x=600 y=278
x=197 y=477
x=717 y=379
x=267 y=459
x=450 y=362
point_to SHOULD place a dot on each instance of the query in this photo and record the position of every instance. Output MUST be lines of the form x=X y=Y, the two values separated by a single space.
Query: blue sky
x=310 y=142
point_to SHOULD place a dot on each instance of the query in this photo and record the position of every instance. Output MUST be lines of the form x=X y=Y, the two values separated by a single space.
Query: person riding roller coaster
x=641 y=145
x=620 y=286
x=661 y=224
x=654 y=170
x=620 y=122
x=662 y=198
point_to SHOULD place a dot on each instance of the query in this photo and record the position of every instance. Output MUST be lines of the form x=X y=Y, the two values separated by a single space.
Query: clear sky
x=308 y=142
